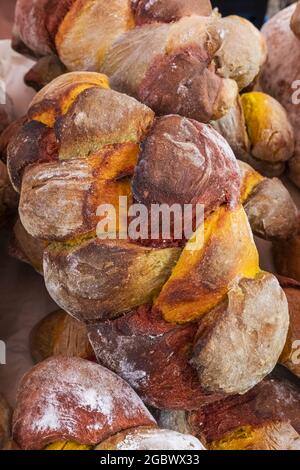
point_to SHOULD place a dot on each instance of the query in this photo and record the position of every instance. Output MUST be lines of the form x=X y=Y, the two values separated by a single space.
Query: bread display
x=174 y=56
x=147 y=166
x=73 y=404
x=266 y=418
x=170 y=299
x=280 y=73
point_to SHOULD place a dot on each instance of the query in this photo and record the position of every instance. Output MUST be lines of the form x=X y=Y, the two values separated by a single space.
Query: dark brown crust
x=186 y=162
x=44 y=71
x=153 y=356
x=166 y=11
x=74 y=399
x=8 y=134
x=186 y=85
x=273 y=399
x=287 y=256
x=34 y=143
x=291 y=353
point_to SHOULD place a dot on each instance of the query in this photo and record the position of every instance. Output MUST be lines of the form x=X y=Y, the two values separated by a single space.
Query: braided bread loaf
x=73 y=404
x=159 y=314
x=175 y=56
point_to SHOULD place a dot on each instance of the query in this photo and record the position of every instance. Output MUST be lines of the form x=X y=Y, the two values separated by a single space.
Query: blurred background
x=255 y=10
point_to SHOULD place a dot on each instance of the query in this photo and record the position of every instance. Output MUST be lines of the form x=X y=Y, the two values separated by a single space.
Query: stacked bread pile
x=154 y=106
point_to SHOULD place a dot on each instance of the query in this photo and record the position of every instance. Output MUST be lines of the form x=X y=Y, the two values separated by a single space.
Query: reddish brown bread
x=74 y=399
x=290 y=357
x=168 y=10
x=245 y=422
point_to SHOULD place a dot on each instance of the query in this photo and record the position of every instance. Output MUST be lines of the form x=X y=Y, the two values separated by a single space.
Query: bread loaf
x=175 y=56
x=73 y=404
x=171 y=297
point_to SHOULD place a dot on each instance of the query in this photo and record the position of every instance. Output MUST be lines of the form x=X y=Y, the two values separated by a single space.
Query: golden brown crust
x=58 y=334
x=168 y=381
x=270 y=132
x=188 y=85
x=101 y=117
x=80 y=43
x=110 y=276
x=76 y=400
x=209 y=266
x=98 y=133
x=56 y=12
